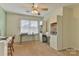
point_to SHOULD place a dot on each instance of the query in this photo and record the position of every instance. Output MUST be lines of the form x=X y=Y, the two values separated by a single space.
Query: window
x=24 y=26
x=41 y=25
x=29 y=27
x=33 y=27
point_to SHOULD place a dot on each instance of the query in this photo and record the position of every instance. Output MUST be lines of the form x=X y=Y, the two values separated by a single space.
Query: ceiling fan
x=36 y=9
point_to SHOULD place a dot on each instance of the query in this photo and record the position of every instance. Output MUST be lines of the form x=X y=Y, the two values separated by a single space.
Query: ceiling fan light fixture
x=38 y=13
x=35 y=12
x=35 y=9
x=35 y=6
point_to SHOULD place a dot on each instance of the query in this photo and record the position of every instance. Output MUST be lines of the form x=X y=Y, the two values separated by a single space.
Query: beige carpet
x=34 y=48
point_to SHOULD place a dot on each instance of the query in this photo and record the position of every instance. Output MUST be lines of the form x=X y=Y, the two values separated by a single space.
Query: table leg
x=20 y=39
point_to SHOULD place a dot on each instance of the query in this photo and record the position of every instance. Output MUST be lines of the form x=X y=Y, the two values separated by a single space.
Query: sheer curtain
x=33 y=28
x=24 y=26
x=29 y=26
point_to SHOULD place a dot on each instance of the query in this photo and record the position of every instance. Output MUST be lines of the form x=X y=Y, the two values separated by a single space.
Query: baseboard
x=26 y=41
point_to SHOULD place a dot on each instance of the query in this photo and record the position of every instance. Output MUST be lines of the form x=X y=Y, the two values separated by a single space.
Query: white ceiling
x=21 y=8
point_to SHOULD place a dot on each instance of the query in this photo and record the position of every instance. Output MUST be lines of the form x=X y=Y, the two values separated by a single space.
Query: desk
x=25 y=34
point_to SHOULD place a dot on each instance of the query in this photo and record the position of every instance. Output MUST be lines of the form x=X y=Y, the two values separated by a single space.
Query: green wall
x=2 y=21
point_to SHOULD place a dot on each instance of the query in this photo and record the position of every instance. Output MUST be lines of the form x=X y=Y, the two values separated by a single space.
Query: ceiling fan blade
x=45 y=9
